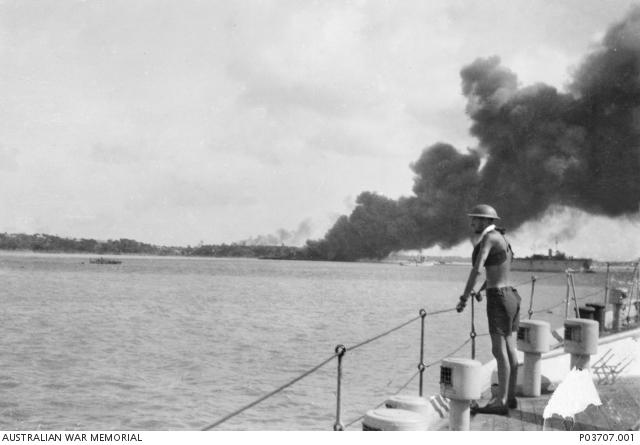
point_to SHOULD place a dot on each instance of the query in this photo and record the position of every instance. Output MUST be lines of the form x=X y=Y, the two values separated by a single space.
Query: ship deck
x=620 y=411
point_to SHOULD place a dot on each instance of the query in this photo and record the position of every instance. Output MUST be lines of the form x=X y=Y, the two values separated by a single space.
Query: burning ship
x=552 y=262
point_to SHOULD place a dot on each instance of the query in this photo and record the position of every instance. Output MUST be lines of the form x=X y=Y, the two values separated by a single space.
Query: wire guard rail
x=272 y=393
x=341 y=350
x=424 y=366
x=339 y=353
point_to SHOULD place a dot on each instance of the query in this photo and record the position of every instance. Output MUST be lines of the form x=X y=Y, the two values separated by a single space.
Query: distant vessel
x=418 y=260
x=104 y=261
x=552 y=262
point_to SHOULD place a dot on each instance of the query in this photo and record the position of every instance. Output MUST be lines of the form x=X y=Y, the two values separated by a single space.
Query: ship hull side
x=549 y=265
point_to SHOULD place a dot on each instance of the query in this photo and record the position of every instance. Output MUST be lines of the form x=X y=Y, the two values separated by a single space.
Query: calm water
x=176 y=344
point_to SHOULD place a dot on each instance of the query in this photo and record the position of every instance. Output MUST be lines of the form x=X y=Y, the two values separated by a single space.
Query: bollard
x=617 y=317
x=598 y=314
x=587 y=312
x=385 y=419
x=460 y=383
x=581 y=341
x=617 y=298
x=534 y=337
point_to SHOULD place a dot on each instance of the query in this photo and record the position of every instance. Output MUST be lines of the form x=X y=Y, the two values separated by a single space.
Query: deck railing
x=340 y=351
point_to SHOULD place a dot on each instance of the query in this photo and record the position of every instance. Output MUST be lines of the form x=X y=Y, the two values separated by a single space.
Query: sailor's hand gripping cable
x=463 y=300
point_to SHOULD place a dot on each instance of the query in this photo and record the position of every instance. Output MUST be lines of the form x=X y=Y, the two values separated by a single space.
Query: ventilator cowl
x=581 y=341
x=534 y=336
x=460 y=379
x=581 y=336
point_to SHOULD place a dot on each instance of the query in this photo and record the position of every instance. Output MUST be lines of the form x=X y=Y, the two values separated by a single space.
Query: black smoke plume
x=538 y=147
x=281 y=237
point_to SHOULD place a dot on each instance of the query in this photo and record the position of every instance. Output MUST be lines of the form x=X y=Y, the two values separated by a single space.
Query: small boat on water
x=102 y=260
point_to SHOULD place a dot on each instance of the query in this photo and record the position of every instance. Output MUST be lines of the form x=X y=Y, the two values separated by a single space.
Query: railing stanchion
x=606 y=287
x=632 y=292
x=533 y=287
x=637 y=283
x=340 y=350
x=573 y=291
x=421 y=366
x=472 y=334
x=566 y=302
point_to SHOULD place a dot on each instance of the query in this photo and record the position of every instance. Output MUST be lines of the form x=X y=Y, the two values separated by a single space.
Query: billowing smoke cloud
x=295 y=237
x=573 y=220
x=538 y=148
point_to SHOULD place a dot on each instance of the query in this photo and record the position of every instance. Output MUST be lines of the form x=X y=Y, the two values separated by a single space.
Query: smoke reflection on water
x=175 y=344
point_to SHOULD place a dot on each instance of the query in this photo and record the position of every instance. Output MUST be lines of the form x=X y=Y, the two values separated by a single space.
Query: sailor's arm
x=473 y=274
x=471 y=281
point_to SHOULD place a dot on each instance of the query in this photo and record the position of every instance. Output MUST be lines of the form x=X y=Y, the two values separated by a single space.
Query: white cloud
x=580 y=235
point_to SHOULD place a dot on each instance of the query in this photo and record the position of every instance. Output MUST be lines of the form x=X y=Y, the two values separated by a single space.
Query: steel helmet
x=484 y=211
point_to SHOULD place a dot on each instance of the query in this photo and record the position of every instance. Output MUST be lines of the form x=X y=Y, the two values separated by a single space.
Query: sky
x=185 y=122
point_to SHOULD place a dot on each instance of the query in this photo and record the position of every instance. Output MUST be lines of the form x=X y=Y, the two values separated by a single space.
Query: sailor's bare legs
x=504 y=350
x=513 y=365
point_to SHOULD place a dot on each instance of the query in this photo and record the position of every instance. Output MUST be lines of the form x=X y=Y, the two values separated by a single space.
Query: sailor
x=493 y=252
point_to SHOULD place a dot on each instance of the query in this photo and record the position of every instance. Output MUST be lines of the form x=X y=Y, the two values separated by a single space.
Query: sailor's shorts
x=503 y=310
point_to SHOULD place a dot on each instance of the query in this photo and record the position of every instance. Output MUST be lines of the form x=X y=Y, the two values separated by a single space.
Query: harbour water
x=160 y=343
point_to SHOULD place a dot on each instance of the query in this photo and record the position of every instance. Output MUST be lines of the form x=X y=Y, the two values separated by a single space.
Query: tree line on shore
x=371 y=245
x=55 y=244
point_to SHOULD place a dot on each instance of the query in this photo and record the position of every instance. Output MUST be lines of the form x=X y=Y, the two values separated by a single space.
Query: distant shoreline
x=598 y=266
x=51 y=244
